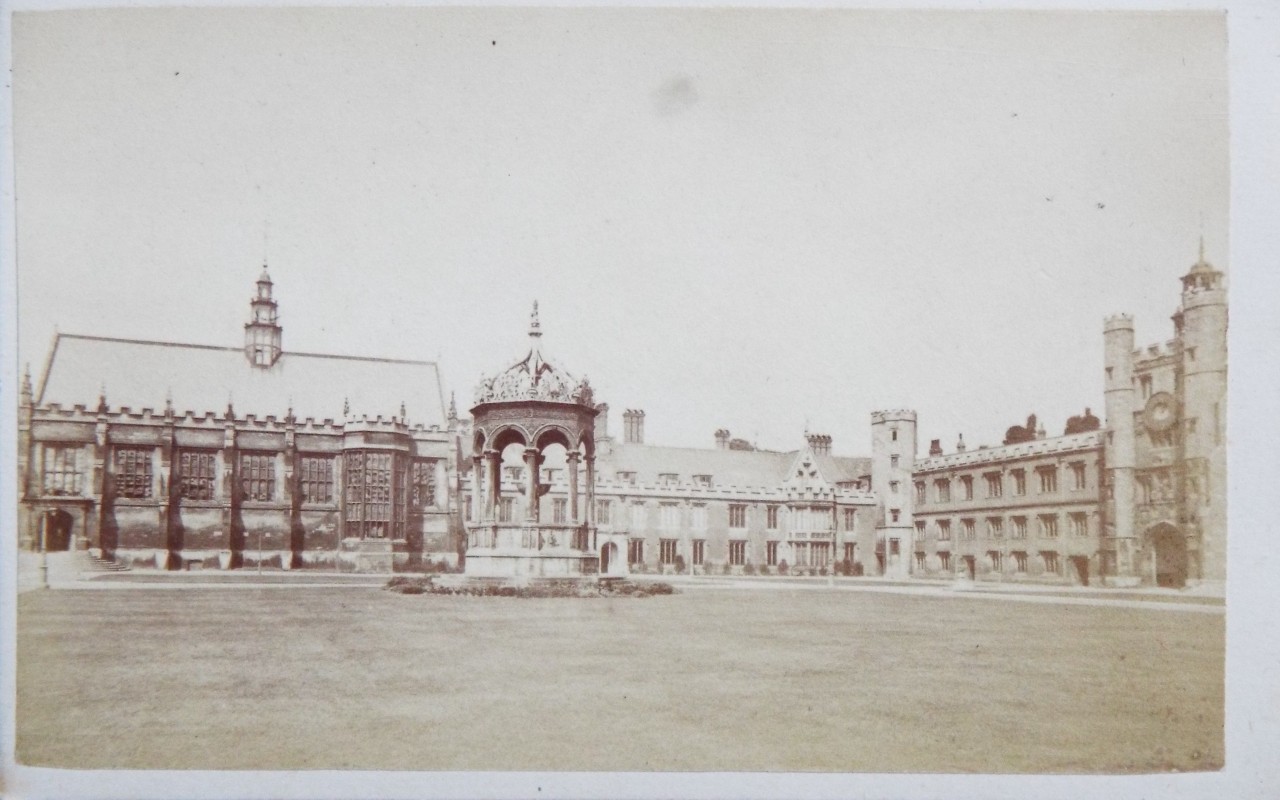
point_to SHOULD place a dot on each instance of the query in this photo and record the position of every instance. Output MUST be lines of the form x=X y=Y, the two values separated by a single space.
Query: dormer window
x=668 y=479
x=626 y=477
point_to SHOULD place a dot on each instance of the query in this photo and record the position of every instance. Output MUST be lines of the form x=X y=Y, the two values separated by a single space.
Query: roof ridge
x=224 y=348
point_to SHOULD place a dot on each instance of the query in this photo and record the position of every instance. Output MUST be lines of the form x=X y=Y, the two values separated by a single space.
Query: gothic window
x=771 y=515
x=1078 y=476
x=669 y=516
x=968 y=528
x=699 y=551
x=996 y=559
x=995 y=528
x=944 y=560
x=737 y=516
x=966 y=485
x=506 y=509
x=63 y=469
x=920 y=529
x=737 y=552
x=1019 y=527
x=635 y=551
x=1049 y=526
x=942 y=486
x=424 y=483
x=1051 y=564
x=1019 y=482
x=1048 y=479
x=1019 y=561
x=197 y=470
x=771 y=553
x=850 y=517
x=317 y=479
x=995 y=484
x=560 y=510
x=133 y=472
x=699 y=517
x=1079 y=524
x=920 y=494
x=944 y=530
x=667 y=551
x=376 y=494
x=258 y=476
x=603 y=509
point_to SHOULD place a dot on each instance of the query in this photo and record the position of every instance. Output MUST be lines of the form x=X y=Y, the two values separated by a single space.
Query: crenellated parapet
x=893 y=415
x=1063 y=445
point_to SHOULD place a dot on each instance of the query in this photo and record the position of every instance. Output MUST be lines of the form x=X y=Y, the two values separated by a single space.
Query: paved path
x=1149 y=599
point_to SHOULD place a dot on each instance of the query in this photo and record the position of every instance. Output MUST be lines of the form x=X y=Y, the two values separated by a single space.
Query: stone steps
x=97 y=564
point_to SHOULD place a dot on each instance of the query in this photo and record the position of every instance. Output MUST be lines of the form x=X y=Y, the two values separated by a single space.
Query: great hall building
x=171 y=455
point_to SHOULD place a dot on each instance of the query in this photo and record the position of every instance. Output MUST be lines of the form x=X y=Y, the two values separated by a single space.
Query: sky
x=767 y=221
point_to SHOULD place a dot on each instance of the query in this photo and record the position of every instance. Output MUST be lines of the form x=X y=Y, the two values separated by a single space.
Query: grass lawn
x=706 y=680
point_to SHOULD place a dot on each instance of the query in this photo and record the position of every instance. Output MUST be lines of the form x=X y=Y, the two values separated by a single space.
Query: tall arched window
x=376 y=490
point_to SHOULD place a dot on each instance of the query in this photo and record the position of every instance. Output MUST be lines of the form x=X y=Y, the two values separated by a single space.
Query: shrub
x=764 y=569
x=857 y=569
x=749 y=570
x=726 y=569
x=782 y=567
x=680 y=564
x=822 y=571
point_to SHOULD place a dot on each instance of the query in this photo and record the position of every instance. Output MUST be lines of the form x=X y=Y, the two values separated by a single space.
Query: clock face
x=1161 y=412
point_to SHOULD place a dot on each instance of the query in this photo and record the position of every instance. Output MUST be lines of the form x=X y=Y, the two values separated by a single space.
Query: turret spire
x=28 y=394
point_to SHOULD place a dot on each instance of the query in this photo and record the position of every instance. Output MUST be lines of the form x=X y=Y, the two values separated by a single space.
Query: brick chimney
x=820 y=444
x=722 y=439
x=935 y=447
x=633 y=426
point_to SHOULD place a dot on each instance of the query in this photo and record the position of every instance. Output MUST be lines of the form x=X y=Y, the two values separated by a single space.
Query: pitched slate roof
x=754 y=468
x=201 y=378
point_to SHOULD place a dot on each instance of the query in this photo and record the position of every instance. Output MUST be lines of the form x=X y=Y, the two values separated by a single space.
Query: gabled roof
x=754 y=468
x=200 y=378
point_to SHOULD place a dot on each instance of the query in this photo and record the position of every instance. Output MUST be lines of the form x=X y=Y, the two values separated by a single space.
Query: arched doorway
x=57 y=531
x=608 y=557
x=1169 y=554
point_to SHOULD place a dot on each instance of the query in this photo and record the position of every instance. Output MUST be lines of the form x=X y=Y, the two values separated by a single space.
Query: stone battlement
x=893 y=415
x=1155 y=352
x=1061 y=444
x=214 y=420
x=1117 y=322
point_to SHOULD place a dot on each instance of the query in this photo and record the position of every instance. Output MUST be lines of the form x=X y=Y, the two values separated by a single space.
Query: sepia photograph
x=605 y=390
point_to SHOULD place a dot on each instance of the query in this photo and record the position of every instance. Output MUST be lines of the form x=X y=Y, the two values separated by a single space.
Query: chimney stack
x=935 y=447
x=633 y=426
x=722 y=439
x=820 y=444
